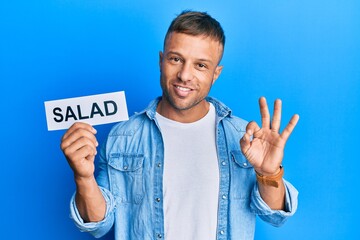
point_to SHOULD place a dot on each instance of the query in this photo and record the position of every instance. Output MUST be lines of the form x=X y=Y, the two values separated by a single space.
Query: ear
x=217 y=73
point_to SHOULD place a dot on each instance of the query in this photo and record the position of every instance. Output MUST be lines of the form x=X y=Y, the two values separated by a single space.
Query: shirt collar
x=221 y=109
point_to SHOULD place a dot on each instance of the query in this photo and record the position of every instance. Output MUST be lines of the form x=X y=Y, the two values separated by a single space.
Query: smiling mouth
x=184 y=89
x=182 y=92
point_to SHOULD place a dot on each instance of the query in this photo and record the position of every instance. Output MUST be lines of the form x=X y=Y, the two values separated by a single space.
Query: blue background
x=305 y=52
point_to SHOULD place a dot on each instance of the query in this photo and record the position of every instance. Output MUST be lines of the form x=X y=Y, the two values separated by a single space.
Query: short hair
x=196 y=24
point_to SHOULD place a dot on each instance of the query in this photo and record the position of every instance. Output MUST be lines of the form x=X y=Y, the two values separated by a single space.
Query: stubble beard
x=171 y=101
x=184 y=104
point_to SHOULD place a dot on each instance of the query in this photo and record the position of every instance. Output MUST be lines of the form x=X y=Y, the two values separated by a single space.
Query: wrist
x=83 y=179
x=85 y=185
x=270 y=180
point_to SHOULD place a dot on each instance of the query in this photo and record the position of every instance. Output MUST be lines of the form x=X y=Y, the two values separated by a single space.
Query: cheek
x=206 y=79
x=165 y=79
x=162 y=79
x=169 y=71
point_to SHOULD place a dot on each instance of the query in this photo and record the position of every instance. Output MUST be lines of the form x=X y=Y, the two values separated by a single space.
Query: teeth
x=183 y=88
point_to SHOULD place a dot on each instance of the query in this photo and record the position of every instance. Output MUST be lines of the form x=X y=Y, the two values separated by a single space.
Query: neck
x=190 y=115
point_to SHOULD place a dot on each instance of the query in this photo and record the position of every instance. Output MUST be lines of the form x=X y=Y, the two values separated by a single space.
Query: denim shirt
x=131 y=180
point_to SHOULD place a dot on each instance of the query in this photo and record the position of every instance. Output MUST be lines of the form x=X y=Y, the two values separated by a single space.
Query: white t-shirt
x=191 y=178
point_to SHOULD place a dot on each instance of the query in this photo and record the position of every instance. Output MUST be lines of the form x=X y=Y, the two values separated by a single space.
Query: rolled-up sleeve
x=275 y=217
x=97 y=229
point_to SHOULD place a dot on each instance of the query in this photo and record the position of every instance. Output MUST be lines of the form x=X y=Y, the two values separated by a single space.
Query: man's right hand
x=79 y=147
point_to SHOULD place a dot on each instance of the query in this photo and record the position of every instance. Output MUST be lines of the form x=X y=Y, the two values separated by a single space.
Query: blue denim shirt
x=131 y=176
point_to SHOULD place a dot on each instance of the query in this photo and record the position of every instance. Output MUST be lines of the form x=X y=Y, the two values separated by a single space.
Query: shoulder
x=235 y=122
x=130 y=126
x=225 y=114
x=137 y=121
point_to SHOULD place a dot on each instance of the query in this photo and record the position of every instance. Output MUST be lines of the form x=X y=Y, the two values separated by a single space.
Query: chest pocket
x=242 y=176
x=126 y=177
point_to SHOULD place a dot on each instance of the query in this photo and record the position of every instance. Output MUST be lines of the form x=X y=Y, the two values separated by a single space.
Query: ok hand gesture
x=265 y=150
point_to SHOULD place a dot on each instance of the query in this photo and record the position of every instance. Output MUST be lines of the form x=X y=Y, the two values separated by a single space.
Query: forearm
x=89 y=200
x=274 y=197
x=272 y=189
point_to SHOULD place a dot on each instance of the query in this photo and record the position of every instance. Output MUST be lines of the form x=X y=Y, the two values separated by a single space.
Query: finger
x=77 y=134
x=245 y=143
x=80 y=143
x=276 y=120
x=79 y=125
x=252 y=127
x=290 y=127
x=83 y=153
x=264 y=112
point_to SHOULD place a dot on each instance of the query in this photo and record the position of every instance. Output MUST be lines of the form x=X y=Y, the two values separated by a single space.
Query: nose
x=185 y=73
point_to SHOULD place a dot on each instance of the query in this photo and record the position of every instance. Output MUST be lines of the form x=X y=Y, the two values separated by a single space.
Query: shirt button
x=158 y=199
x=159 y=164
x=223 y=163
x=125 y=167
x=159 y=235
x=244 y=164
x=222 y=232
x=224 y=197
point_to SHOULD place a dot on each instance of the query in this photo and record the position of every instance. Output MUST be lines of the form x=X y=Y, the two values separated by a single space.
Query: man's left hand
x=265 y=150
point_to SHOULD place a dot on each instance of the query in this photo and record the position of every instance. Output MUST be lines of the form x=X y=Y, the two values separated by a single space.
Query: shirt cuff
x=97 y=229
x=275 y=217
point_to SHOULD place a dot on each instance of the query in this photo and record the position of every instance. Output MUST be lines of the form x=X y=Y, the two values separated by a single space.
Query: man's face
x=189 y=67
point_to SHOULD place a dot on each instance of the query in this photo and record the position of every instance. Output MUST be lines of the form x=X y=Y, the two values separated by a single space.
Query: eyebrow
x=200 y=59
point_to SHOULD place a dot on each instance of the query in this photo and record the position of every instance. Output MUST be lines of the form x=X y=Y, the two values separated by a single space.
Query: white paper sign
x=95 y=110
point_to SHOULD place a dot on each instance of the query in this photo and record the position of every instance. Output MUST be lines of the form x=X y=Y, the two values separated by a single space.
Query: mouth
x=182 y=91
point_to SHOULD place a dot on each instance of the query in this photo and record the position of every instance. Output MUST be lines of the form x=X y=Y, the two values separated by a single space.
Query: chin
x=184 y=105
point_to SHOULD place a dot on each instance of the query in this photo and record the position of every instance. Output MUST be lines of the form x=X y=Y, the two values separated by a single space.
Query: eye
x=201 y=66
x=175 y=59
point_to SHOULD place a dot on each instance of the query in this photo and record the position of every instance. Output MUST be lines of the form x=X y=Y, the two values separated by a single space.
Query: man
x=177 y=170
